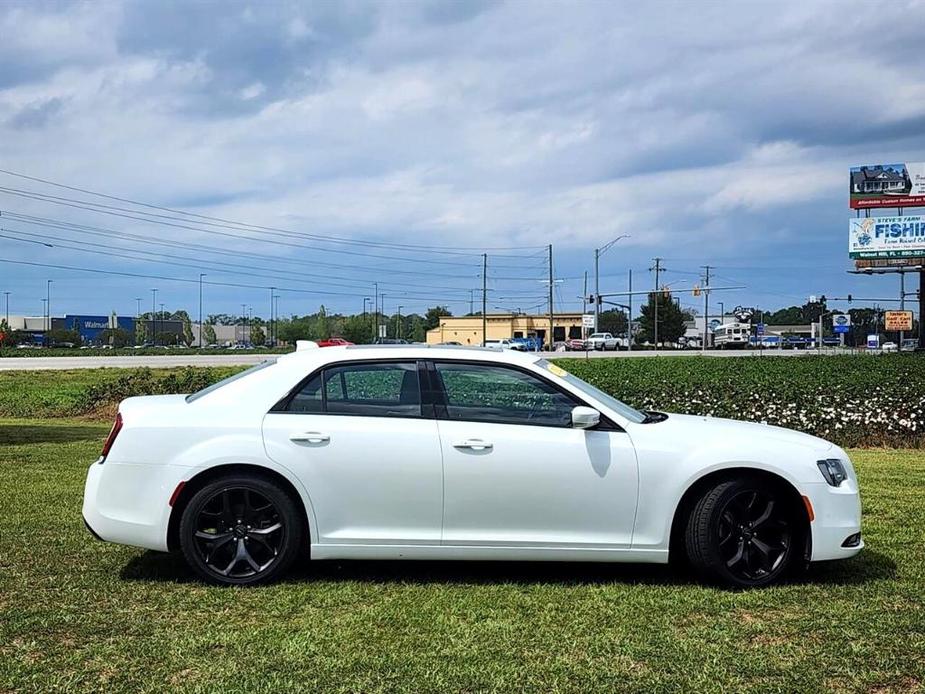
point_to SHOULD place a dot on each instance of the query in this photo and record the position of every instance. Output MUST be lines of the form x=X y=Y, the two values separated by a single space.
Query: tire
x=258 y=531
x=745 y=533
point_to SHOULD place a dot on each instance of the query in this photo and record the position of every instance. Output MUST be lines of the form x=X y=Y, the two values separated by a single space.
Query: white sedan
x=411 y=452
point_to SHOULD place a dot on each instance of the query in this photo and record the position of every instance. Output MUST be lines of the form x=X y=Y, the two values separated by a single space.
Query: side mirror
x=585 y=417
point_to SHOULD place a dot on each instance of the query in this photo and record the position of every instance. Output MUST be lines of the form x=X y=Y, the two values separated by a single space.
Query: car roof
x=365 y=352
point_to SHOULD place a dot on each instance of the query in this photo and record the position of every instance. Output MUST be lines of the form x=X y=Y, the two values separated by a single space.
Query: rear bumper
x=127 y=504
x=837 y=513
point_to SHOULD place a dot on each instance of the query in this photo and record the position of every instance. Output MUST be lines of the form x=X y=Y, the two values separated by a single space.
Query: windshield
x=234 y=377
x=617 y=406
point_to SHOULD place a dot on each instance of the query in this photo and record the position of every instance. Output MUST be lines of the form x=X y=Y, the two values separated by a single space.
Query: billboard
x=887 y=185
x=898 y=320
x=886 y=237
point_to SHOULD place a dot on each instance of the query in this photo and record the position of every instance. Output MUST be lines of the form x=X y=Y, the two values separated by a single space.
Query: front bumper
x=837 y=513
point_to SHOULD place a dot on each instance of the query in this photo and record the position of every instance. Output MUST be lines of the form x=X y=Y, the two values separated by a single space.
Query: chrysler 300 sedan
x=410 y=452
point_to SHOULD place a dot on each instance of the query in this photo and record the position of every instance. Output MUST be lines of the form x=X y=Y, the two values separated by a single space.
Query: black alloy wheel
x=240 y=531
x=744 y=533
x=755 y=535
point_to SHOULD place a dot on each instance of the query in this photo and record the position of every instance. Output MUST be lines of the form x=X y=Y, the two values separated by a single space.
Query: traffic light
x=590 y=298
x=849 y=298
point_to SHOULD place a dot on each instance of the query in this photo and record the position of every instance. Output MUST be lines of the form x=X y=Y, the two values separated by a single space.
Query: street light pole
x=398 y=323
x=7 y=295
x=201 y=275
x=154 y=317
x=598 y=252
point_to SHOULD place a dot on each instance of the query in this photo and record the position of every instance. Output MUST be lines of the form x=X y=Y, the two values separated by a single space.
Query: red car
x=334 y=342
x=576 y=345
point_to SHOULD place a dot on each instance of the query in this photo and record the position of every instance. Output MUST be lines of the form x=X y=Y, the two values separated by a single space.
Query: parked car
x=576 y=344
x=528 y=344
x=333 y=342
x=390 y=341
x=602 y=341
x=889 y=347
x=274 y=463
x=910 y=344
x=504 y=343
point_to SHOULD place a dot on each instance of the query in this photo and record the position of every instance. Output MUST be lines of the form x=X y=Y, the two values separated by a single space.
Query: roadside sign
x=587 y=320
x=759 y=329
x=873 y=342
x=841 y=323
x=714 y=324
x=898 y=320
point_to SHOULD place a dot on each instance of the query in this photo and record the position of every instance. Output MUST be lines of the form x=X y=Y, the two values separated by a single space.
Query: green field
x=80 y=615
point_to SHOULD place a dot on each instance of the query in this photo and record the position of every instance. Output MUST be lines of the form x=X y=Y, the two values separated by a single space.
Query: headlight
x=833 y=470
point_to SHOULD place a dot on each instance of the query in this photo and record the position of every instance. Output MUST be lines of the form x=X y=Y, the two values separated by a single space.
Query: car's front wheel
x=745 y=533
x=241 y=530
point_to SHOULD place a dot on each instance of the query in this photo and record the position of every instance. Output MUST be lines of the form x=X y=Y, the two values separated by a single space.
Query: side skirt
x=476 y=553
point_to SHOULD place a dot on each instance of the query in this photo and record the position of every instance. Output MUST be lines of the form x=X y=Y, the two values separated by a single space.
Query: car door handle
x=474 y=444
x=309 y=437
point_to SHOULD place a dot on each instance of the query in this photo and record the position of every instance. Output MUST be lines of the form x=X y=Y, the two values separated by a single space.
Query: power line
x=187 y=280
x=221 y=221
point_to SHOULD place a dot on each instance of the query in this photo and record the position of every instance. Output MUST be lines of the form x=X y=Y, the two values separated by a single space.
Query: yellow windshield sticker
x=557 y=370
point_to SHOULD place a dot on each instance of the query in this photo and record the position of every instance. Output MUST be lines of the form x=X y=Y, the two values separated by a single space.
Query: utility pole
x=376 y=312
x=270 y=326
x=398 y=323
x=243 y=322
x=902 y=304
x=48 y=302
x=706 y=306
x=154 y=316
x=552 y=329
x=7 y=296
x=201 y=275
x=471 y=301
x=657 y=268
x=584 y=307
x=484 y=297
x=629 y=325
x=921 y=309
x=597 y=289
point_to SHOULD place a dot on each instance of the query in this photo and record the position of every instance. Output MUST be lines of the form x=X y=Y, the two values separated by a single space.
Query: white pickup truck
x=603 y=341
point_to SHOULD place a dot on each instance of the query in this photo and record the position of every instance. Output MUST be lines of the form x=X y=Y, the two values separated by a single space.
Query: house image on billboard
x=885 y=180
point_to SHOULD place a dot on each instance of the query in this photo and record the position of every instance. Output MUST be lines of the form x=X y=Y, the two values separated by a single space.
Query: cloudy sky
x=347 y=143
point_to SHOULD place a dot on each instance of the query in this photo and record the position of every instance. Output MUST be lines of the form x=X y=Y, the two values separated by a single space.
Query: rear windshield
x=225 y=381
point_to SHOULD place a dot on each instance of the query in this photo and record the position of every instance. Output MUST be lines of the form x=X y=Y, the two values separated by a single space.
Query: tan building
x=467 y=330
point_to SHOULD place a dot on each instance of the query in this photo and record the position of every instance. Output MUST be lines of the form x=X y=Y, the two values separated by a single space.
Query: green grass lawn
x=77 y=614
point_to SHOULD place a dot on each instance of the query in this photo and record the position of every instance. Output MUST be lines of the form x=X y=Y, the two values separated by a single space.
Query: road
x=164 y=362
x=249 y=358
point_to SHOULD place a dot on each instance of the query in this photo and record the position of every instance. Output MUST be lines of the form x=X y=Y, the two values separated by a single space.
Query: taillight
x=113 y=433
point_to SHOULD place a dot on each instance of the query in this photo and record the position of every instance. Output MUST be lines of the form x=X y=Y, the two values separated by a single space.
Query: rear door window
x=370 y=389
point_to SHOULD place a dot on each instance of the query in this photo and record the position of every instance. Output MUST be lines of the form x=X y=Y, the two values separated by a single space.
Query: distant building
x=467 y=330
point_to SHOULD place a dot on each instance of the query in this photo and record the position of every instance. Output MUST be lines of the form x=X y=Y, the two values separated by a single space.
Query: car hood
x=732 y=431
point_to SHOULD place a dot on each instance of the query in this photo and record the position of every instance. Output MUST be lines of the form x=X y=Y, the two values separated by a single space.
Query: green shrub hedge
x=852 y=400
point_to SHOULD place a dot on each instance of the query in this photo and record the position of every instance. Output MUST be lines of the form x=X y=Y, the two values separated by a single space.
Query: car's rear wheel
x=745 y=533
x=241 y=530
